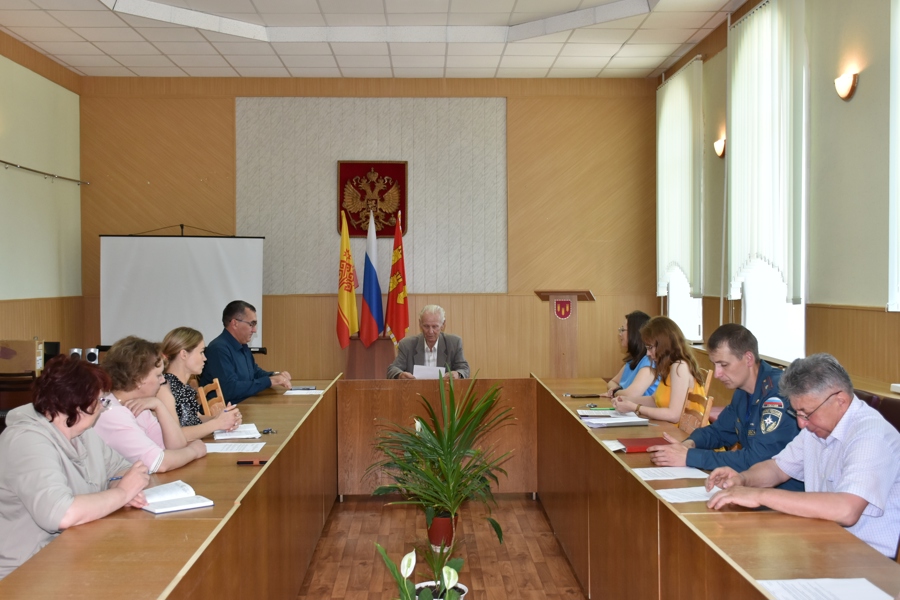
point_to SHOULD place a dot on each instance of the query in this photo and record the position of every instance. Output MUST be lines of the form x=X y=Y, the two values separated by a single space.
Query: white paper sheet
x=603 y=412
x=168 y=491
x=303 y=393
x=422 y=372
x=247 y=431
x=691 y=494
x=824 y=589
x=623 y=421
x=614 y=445
x=234 y=447
x=657 y=473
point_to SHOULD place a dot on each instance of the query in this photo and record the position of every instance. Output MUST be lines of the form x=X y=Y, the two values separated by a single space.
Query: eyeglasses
x=649 y=347
x=622 y=330
x=250 y=323
x=806 y=417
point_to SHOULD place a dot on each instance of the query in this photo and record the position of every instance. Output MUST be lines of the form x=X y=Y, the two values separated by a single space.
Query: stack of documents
x=619 y=420
x=247 y=431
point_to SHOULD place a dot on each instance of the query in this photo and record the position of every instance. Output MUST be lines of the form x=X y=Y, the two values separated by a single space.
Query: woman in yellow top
x=677 y=369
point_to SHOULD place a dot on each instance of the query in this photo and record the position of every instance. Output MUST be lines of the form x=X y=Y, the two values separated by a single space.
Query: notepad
x=312 y=392
x=657 y=473
x=641 y=444
x=172 y=497
x=247 y=431
x=624 y=421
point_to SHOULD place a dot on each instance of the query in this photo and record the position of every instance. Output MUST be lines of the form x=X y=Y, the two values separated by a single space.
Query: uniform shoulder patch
x=773 y=402
x=770 y=420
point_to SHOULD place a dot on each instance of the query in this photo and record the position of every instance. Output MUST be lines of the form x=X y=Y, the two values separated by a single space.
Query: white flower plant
x=449 y=578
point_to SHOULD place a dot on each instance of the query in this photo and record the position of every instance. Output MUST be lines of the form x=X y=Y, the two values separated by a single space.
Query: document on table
x=691 y=494
x=614 y=445
x=655 y=473
x=235 y=447
x=622 y=421
x=422 y=372
x=172 y=497
x=303 y=393
x=247 y=431
x=824 y=589
x=604 y=412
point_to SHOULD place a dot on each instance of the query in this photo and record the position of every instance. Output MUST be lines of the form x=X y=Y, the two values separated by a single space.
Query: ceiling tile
x=650 y=62
x=215 y=36
x=219 y=7
x=581 y=62
x=253 y=18
x=170 y=34
x=355 y=72
x=409 y=62
x=309 y=62
x=159 y=72
x=210 y=72
x=522 y=73
x=127 y=47
x=590 y=49
x=480 y=6
x=356 y=20
x=253 y=61
x=419 y=72
x=287 y=48
x=108 y=34
x=525 y=49
x=418 y=20
x=661 y=36
x=185 y=48
x=475 y=49
x=573 y=73
x=417 y=6
x=98 y=60
x=244 y=48
x=304 y=72
x=469 y=73
x=679 y=20
x=518 y=18
x=469 y=62
x=353 y=6
x=201 y=60
x=689 y=5
x=27 y=18
x=627 y=23
x=68 y=4
x=481 y=19
x=363 y=48
x=144 y=61
x=526 y=62
x=555 y=6
x=553 y=38
x=85 y=18
x=716 y=20
x=142 y=22
x=699 y=36
x=19 y=5
x=626 y=73
x=64 y=48
x=47 y=34
x=637 y=50
x=293 y=20
x=262 y=72
x=287 y=6
x=106 y=71
x=601 y=36
x=365 y=62
x=419 y=49
x=733 y=5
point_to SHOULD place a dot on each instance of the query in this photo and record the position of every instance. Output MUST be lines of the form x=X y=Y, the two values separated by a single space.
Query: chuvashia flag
x=371 y=322
x=396 y=319
x=347 y=317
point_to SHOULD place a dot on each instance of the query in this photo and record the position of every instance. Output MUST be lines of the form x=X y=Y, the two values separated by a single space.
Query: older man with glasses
x=228 y=357
x=847 y=455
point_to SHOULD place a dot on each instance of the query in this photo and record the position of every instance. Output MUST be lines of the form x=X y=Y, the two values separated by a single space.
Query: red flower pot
x=441 y=531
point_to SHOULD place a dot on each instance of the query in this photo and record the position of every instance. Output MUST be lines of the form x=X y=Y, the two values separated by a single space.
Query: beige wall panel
x=31 y=59
x=152 y=164
x=714 y=86
x=582 y=194
x=863 y=339
x=51 y=319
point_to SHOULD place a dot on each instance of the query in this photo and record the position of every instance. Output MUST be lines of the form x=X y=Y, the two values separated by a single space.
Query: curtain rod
x=685 y=66
x=45 y=174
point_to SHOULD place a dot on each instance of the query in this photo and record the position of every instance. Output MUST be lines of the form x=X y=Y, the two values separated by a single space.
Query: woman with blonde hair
x=183 y=348
x=678 y=371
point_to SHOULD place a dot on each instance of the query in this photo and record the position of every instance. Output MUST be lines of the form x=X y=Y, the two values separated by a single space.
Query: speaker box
x=92 y=355
x=75 y=352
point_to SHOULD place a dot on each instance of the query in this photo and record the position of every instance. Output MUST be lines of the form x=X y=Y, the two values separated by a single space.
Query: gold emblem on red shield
x=563 y=309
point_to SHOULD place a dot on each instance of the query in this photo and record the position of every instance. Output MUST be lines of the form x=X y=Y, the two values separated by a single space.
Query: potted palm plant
x=440 y=462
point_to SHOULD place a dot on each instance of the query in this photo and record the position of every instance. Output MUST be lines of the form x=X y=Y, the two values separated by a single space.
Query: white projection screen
x=149 y=285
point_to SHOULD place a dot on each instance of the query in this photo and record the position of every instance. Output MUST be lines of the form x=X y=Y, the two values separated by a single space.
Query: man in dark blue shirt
x=756 y=420
x=229 y=359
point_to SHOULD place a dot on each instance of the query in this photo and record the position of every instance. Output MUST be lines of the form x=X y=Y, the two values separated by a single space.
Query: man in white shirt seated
x=431 y=348
x=847 y=455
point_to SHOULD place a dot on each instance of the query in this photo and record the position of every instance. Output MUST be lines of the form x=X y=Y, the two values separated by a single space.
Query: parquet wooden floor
x=529 y=565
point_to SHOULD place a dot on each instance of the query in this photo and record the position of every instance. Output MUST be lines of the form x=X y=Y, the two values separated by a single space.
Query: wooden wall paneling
x=599 y=353
x=863 y=339
x=563 y=473
x=52 y=319
x=44 y=66
x=582 y=194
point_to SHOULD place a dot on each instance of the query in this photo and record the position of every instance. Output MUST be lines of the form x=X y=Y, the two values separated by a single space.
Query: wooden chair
x=707 y=376
x=15 y=390
x=211 y=406
x=691 y=418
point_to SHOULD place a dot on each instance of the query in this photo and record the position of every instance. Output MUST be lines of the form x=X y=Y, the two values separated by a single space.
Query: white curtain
x=679 y=177
x=768 y=83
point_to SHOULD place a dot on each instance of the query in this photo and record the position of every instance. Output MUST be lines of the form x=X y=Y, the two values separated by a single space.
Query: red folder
x=641 y=444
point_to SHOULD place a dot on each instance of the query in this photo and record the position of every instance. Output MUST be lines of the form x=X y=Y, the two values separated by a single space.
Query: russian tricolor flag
x=371 y=321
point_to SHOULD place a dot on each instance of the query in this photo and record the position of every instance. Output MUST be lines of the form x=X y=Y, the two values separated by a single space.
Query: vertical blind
x=767 y=130
x=679 y=177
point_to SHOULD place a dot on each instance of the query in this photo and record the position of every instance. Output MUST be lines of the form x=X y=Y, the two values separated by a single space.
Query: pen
x=116 y=478
x=229 y=409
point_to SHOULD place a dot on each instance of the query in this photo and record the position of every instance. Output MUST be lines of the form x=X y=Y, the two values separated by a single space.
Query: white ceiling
x=364 y=38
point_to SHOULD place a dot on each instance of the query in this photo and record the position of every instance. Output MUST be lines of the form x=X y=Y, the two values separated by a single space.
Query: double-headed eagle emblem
x=362 y=195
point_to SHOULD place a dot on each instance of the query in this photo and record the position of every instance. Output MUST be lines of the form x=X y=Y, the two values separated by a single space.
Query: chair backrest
x=706 y=375
x=16 y=389
x=212 y=406
x=691 y=416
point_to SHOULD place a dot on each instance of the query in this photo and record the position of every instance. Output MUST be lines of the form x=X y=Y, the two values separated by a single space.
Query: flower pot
x=463 y=590
x=441 y=531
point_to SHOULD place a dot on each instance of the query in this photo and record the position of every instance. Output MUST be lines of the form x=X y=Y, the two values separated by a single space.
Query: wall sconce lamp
x=719 y=147
x=845 y=85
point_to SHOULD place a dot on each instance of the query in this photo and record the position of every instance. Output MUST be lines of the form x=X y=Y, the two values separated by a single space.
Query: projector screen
x=151 y=285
